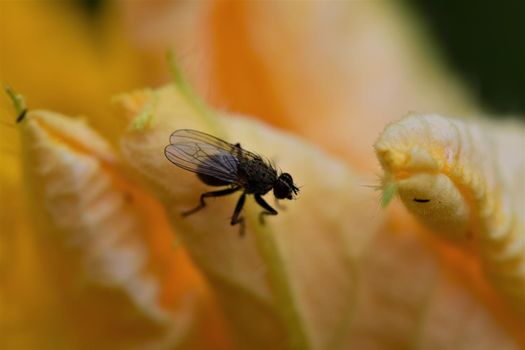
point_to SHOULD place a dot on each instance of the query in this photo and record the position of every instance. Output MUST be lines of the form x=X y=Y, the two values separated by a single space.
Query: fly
x=219 y=163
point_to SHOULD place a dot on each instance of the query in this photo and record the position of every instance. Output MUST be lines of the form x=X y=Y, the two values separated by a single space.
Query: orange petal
x=348 y=66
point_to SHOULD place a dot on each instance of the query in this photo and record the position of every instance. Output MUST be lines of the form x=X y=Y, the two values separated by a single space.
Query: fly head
x=284 y=187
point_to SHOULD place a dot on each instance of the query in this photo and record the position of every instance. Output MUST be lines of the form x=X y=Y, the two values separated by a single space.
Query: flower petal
x=291 y=281
x=408 y=297
x=464 y=180
x=350 y=66
x=106 y=243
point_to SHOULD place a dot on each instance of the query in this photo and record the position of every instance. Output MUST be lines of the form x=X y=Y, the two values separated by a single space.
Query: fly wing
x=204 y=154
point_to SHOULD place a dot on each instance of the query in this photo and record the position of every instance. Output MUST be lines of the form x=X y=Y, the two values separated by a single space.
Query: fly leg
x=202 y=204
x=235 y=217
x=278 y=204
x=268 y=209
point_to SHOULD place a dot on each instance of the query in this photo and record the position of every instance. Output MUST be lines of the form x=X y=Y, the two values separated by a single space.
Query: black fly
x=219 y=163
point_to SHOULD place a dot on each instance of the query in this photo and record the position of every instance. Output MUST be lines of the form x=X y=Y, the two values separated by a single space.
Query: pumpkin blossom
x=95 y=251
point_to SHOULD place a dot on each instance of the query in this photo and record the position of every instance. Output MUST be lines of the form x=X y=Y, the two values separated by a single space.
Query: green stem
x=280 y=285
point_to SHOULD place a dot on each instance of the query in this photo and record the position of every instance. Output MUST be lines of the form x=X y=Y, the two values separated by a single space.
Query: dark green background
x=483 y=42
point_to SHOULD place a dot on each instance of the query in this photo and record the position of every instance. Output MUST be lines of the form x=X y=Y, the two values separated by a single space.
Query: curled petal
x=465 y=180
x=106 y=243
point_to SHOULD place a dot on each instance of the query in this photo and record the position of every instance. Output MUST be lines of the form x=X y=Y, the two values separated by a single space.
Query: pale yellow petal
x=465 y=180
x=290 y=282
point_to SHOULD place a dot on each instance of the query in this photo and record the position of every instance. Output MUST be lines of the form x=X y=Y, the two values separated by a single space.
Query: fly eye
x=282 y=189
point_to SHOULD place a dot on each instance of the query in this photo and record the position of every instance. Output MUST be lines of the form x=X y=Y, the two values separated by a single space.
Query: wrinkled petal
x=109 y=253
x=465 y=181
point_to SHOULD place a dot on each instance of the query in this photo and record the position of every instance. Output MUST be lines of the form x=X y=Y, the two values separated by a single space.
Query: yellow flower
x=97 y=254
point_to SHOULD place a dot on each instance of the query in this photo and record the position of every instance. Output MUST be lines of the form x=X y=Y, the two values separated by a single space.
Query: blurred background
x=482 y=44
x=334 y=73
x=286 y=65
